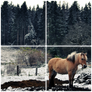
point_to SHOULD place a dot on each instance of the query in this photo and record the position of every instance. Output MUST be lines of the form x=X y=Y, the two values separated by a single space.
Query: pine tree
x=24 y=23
x=10 y=23
x=41 y=25
x=89 y=13
x=51 y=18
x=33 y=15
x=1 y=27
x=74 y=14
x=4 y=23
x=17 y=26
x=86 y=14
x=61 y=24
x=36 y=19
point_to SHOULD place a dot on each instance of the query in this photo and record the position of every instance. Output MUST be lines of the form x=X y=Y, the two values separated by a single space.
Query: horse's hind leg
x=51 y=79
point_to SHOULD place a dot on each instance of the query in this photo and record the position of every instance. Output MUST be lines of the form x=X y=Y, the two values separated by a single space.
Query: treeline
x=14 y=23
x=51 y=28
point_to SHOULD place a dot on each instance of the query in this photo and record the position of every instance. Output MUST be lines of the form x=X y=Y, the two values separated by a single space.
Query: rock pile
x=83 y=78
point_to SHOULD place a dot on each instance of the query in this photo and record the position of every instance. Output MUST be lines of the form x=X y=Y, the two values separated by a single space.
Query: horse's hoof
x=71 y=86
x=49 y=88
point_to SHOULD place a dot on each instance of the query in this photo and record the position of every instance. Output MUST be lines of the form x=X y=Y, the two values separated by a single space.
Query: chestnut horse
x=66 y=66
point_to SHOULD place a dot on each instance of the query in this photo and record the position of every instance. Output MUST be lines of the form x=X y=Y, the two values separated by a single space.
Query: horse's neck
x=77 y=60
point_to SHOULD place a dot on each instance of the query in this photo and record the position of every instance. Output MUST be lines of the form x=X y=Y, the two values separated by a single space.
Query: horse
x=66 y=66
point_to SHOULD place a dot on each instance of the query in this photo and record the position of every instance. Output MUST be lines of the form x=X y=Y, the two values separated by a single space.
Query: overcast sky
x=40 y=2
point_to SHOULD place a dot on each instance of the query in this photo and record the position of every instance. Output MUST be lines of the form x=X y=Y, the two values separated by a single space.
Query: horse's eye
x=82 y=59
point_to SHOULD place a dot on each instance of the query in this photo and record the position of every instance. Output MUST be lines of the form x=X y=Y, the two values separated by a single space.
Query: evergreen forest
x=22 y=25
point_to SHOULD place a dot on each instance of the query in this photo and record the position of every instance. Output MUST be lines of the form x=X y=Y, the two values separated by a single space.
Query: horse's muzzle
x=84 y=66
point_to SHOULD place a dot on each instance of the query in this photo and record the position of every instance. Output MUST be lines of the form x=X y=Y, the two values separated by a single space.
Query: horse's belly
x=61 y=70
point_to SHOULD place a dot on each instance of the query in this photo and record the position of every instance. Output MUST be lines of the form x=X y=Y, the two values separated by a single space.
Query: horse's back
x=57 y=64
x=53 y=61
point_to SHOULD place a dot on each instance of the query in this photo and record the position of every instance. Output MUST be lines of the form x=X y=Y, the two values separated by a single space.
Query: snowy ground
x=29 y=73
x=8 y=54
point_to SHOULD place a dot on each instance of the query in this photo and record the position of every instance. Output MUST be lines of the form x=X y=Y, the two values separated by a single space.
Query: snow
x=29 y=73
x=8 y=54
x=82 y=85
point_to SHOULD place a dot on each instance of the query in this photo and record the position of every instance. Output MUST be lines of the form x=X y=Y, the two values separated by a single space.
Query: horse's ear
x=82 y=53
x=86 y=54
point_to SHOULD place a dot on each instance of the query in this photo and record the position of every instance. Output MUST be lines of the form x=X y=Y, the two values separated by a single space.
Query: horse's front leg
x=70 y=79
x=74 y=72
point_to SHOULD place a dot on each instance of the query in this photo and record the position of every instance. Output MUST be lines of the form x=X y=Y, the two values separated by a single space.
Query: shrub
x=30 y=57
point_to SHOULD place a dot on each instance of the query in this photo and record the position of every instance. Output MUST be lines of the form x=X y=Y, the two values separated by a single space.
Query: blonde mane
x=71 y=56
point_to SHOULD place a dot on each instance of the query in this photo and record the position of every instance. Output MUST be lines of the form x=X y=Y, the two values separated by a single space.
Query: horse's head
x=83 y=59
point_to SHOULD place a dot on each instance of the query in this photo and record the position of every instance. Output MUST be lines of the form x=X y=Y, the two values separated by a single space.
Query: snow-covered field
x=43 y=75
x=8 y=54
x=29 y=73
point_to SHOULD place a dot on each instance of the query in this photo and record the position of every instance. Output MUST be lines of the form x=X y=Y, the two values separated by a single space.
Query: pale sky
x=40 y=2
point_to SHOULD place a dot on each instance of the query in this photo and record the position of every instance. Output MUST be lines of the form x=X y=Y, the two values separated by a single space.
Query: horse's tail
x=50 y=69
